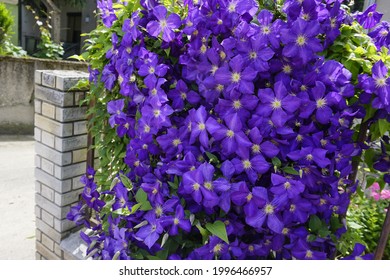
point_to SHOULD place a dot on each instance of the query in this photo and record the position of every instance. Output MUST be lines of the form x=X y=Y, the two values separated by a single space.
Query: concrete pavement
x=17 y=188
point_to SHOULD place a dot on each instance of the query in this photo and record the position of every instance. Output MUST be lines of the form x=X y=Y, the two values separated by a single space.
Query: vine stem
x=380 y=250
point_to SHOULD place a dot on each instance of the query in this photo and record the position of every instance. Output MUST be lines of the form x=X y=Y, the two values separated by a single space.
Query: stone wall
x=17 y=90
x=61 y=149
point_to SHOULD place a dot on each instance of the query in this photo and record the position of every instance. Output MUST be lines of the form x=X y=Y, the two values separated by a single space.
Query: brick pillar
x=61 y=149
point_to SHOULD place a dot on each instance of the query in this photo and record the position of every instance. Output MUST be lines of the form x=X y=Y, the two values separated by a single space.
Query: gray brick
x=37 y=187
x=79 y=155
x=55 y=210
x=48 y=110
x=47 y=242
x=58 y=250
x=53 y=155
x=67 y=198
x=38 y=211
x=65 y=81
x=63 y=225
x=47 y=166
x=69 y=171
x=47 y=218
x=76 y=184
x=37 y=134
x=38 y=106
x=70 y=143
x=58 y=98
x=47 y=192
x=49 y=231
x=38 y=234
x=78 y=98
x=38 y=77
x=58 y=129
x=38 y=256
x=48 y=79
x=45 y=253
x=37 y=161
x=48 y=139
x=71 y=114
x=80 y=128
x=60 y=186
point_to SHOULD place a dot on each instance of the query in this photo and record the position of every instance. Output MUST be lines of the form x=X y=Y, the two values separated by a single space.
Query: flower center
x=176 y=221
x=301 y=40
x=201 y=126
x=154 y=91
x=230 y=133
x=196 y=186
x=309 y=157
x=256 y=148
x=380 y=82
x=237 y=104
x=219 y=88
x=323 y=142
x=120 y=79
x=220 y=22
x=287 y=69
x=266 y=30
x=249 y=197
x=285 y=231
x=287 y=185
x=176 y=142
x=384 y=33
x=333 y=23
x=251 y=248
x=163 y=23
x=309 y=254
x=183 y=95
x=276 y=104
x=147 y=128
x=144 y=146
x=299 y=138
x=292 y=207
x=217 y=248
x=253 y=55
x=156 y=113
x=214 y=69
x=320 y=103
x=269 y=209
x=222 y=55
x=247 y=164
x=306 y=17
x=232 y=7
x=208 y=185
x=151 y=70
x=203 y=48
x=158 y=211
x=236 y=77
x=370 y=14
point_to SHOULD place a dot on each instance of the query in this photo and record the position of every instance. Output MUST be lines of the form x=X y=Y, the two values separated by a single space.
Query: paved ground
x=17 y=188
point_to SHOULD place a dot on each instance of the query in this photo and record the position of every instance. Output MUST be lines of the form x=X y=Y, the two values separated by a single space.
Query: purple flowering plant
x=231 y=129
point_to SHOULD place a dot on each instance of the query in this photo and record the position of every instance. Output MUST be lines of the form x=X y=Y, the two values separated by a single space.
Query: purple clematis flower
x=357 y=253
x=369 y=18
x=236 y=76
x=277 y=104
x=150 y=233
x=177 y=221
x=250 y=200
x=300 y=40
x=233 y=139
x=163 y=24
x=107 y=12
x=269 y=213
x=115 y=109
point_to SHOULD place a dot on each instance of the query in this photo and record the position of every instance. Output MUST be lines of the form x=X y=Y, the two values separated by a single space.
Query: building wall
x=17 y=90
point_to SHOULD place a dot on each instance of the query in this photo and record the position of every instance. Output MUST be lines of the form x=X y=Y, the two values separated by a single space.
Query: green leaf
x=205 y=234
x=290 y=170
x=218 y=228
x=384 y=126
x=354 y=225
x=142 y=198
x=135 y=208
x=276 y=162
x=126 y=181
x=315 y=223
x=212 y=158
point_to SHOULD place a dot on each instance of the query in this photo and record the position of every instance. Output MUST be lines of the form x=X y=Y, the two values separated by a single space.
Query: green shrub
x=6 y=22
